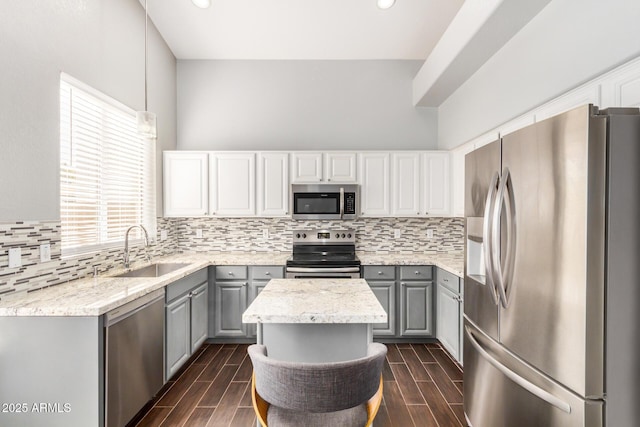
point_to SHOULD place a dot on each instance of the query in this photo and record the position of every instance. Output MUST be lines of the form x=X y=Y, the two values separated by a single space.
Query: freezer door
x=482 y=167
x=502 y=391
x=553 y=313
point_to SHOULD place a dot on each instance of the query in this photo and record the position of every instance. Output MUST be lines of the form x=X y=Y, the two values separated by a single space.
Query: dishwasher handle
x=129 y=309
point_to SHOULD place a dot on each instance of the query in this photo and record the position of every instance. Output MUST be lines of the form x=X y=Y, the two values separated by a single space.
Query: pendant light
x=385 y=4
x=146 y=119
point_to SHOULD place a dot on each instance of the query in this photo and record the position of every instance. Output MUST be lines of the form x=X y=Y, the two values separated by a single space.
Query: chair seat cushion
x=352 y=417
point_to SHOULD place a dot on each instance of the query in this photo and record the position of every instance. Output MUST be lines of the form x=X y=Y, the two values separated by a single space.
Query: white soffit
x=478 y=31
x=302 y=29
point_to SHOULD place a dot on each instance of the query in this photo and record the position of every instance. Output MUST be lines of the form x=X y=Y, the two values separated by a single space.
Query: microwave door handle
x=341 y=202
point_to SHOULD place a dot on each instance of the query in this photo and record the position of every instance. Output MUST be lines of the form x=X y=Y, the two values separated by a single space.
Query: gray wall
x=100 y=42
x=304 y=105
x=566 y=44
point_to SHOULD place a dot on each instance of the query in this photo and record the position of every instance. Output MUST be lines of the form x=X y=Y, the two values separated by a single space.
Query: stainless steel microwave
x=325 y=201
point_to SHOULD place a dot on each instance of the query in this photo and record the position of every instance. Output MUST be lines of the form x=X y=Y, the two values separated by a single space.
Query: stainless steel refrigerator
x=552 y=274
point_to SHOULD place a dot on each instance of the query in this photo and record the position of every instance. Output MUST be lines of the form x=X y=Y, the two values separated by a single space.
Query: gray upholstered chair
x=296 y=394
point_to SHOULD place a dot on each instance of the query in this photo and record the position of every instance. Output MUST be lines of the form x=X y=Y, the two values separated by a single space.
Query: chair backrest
x=317 y=387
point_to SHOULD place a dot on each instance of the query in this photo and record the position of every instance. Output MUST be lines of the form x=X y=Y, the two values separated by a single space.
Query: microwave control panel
x=349 y=203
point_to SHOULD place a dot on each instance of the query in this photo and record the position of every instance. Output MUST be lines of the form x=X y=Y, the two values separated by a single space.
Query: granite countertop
x=315 y=301
x=453 y=262
x=96 y=296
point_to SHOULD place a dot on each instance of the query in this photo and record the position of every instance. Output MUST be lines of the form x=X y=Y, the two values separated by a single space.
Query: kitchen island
x=315 y=320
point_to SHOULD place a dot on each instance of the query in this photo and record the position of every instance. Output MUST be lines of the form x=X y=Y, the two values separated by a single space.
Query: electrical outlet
x=15 y=257
x=198 y=233
x=163 y=235
x=265 y=233
x=429 y=233
x=396 y=233
x=45 y=252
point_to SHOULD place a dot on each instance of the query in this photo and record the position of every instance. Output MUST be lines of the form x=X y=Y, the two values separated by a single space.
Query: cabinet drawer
x=231 y=272
x=267 y=272
x=448 y=280
x=182 y=286
x=379 y=272
x=416 y=272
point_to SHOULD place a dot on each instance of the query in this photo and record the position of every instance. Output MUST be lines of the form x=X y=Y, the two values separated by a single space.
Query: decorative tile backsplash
x=372 y=234
x=33 y=274
x=218 y=234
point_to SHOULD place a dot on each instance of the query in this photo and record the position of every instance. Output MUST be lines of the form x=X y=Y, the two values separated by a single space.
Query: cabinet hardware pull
x=267 y=273
x=380 y=273
x=417 y=272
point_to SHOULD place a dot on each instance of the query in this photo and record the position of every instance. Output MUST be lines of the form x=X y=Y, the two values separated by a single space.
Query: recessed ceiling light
x=385 y=4
x=202 y=4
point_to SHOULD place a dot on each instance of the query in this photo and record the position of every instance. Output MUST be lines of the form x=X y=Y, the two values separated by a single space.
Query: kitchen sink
x=154 y=270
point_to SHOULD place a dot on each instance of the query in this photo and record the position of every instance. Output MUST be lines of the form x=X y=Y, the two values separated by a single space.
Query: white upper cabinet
x=232 y=184
x=273 y=184
x=435 y=189
x=306 y=167
x=405 y=181
x=310 y=167
x=457 y=177
x=185 y=183
x=374 y=184
x=340 y=167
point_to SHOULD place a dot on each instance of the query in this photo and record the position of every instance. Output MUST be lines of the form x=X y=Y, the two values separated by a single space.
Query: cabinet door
x=416 y=308
x=457 y=177
x=374 y=184
x=231 y=302
x=273 y=184
x=232 y=184
x=435 y=173
x=178 y=342
x=448 y=322
x=306 y=167
x=386 y=294
x=340 y=167
x=199 y=313
x=256 y=287
x=405 y=178
x=185 y=183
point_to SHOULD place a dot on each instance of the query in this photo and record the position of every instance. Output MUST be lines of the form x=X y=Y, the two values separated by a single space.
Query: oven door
x=323 y=272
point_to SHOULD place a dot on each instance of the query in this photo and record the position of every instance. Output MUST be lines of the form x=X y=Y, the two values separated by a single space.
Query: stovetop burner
x=324 y=248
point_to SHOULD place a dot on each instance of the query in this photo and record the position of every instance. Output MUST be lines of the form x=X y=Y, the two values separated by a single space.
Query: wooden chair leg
x=374 y=404
x=260 y=406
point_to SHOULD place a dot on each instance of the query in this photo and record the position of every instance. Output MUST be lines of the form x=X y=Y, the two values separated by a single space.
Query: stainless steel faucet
x=126 y=244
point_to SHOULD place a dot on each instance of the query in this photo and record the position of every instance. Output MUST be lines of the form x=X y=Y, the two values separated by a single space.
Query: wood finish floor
x=422 y=388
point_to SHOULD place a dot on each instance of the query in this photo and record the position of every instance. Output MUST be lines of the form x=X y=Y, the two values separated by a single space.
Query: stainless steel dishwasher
x=134 y=340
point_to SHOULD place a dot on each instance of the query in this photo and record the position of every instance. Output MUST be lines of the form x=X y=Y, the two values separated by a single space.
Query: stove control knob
x=343 y=235
x=349 y=235
x=298 y=236
x=304 y=235
x=337 y=236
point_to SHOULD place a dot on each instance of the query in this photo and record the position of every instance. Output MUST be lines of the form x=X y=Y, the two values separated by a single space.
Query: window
x=107 y=171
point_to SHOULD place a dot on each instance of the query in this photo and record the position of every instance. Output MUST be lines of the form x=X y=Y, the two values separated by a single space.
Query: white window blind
x=107 y=171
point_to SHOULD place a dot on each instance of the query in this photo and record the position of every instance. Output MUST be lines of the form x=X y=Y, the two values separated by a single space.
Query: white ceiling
x=302 y=29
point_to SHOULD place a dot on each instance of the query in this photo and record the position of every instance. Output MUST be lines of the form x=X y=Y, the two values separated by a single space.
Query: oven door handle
x=323 y=270
x=341 y=202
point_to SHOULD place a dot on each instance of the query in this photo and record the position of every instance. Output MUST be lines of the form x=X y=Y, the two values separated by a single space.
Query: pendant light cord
x=146 y=22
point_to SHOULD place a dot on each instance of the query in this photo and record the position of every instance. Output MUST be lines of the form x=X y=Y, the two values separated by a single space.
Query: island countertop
x=315 y=301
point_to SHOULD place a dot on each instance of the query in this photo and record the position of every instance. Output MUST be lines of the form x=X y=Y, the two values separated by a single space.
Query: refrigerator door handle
x=502 y=276
x=486 y=240
x=522 y=382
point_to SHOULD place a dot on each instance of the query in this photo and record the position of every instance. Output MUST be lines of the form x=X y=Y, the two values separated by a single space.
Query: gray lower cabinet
x=450 y=312
x=259 y=277
x=186 y=314
x=381 y=280
x=235 y=288
x=416 y=301
x=230 y=301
